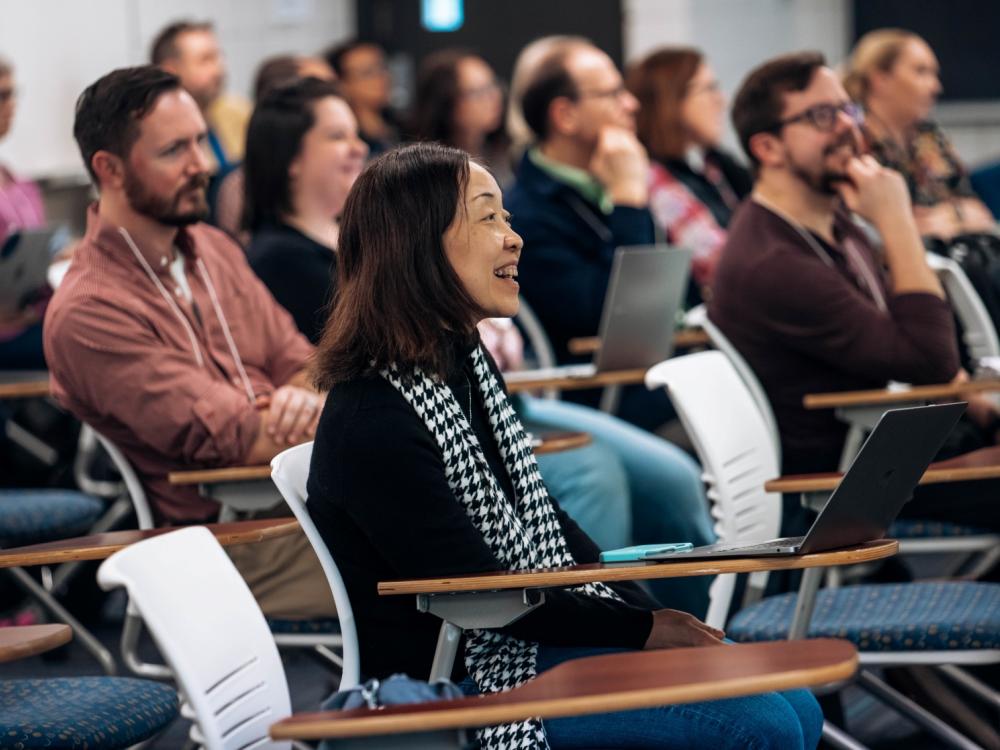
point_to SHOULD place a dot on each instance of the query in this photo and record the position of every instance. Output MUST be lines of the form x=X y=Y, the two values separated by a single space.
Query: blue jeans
x=591 y=486
x=667 y=495
x=791 y=720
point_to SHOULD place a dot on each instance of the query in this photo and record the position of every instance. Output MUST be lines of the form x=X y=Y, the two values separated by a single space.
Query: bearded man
x=162 y=338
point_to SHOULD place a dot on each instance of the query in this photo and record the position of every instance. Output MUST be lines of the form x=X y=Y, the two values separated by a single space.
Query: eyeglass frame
x=851 y=109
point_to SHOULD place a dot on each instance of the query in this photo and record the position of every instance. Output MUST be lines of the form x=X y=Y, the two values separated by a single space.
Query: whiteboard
x=59 y=47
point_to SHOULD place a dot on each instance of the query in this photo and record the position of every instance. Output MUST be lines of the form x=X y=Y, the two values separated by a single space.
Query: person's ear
x=109 y=168
x=767 y=148
x=295 y=168
x=170 y=66
x=564 y=116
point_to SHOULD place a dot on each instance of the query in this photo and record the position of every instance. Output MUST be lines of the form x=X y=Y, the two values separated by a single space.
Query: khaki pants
x=285 y=576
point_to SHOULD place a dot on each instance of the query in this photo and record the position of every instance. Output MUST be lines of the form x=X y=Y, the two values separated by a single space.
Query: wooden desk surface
x=685 y=338
x=614 y=682
x=886 y=396
x=100 y=546
x=526 y=382
x=577 y=574
x=36 y=386
x=28 y=640
x=551 y=442
x=981 y=464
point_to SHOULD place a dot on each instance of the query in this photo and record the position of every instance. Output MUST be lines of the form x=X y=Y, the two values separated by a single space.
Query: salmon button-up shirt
x=158 y=377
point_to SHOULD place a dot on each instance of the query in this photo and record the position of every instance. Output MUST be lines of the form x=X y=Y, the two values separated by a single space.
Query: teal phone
x=643 y=551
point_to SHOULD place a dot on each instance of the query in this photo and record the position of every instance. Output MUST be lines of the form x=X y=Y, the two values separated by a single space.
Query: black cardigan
x=379 y=497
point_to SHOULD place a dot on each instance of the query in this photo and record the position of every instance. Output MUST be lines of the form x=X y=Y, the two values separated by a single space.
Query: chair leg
x=838 y=738
x=131 y=630
x=975 y=686
x=86 y=638
x=914 y=711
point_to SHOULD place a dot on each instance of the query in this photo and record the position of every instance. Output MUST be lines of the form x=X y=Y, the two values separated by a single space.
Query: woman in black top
x=303 y=154
x=420 y=467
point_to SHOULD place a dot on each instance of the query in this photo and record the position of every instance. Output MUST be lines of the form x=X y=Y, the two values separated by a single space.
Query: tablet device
x=24 y=263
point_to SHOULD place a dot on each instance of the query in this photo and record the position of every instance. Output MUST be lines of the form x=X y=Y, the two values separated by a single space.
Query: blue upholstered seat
x=913 y=529
x=886 y=617
x=319 y=626
x=32 y=516
x=98 y=713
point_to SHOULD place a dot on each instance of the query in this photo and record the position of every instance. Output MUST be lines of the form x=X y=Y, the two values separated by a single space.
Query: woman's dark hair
x=760 y=101
x=437 y=96
x=398 y=299
x=281 y=118
x=660 y=83
x=109 y=110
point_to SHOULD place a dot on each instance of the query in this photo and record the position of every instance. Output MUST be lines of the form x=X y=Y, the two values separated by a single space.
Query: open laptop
x=647 y=286
x=878 y=483
x=24 y=261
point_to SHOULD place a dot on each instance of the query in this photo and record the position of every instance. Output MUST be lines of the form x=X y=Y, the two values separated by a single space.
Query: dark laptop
x=878 y=483
x=638 y=320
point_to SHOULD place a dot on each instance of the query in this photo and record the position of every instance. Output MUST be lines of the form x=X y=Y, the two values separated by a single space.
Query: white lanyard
x=219 y=313
x=870 y=282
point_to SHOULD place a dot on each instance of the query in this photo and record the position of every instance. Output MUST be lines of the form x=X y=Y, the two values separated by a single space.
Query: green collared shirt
x=580 y=180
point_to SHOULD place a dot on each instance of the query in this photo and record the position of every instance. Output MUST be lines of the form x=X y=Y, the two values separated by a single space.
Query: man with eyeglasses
x=800 y=290
x=581 y=192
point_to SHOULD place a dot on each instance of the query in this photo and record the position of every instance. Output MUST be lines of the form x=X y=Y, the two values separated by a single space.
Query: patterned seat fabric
x=907 y=529
x=32 y=516
x=98 y=713
x=886 y=617
x=319 y=626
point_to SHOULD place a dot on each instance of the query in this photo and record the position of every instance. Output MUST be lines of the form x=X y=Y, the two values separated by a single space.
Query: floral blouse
x=928 y=162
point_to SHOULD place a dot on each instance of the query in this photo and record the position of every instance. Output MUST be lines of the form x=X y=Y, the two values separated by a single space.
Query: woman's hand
x=673 y=629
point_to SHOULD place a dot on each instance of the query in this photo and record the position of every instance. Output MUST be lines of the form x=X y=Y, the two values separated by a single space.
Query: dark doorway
x=495 y=30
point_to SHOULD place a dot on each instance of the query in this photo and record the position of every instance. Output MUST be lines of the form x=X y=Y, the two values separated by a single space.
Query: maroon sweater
x=805 y=326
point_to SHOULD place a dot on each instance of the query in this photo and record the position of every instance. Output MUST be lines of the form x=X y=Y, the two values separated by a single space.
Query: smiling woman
x=421 y=467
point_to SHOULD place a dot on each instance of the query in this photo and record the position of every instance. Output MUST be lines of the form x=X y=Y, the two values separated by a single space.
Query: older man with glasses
x=800 y=290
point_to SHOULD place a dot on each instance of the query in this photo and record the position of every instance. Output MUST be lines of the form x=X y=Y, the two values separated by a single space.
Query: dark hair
x=282 y=117
x=550 y=81
x=660 y=83
x=165 y=44
x=437 y=95
x=335 y=55
x=398 y=299
x=273 y=72
x=109 y=110
x=759 y=103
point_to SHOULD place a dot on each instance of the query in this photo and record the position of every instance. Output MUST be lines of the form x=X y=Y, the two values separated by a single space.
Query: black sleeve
x=395 y=488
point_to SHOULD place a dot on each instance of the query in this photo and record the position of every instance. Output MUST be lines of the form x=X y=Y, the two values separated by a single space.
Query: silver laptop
x=878 y=483
x=24 y=261
x=646 y=289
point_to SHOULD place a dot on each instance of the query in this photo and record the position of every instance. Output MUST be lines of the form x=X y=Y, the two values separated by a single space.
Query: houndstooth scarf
x=522 y=535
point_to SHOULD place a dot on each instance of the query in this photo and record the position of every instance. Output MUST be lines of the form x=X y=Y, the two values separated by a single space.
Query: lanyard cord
x=866 y=275
x=221 y=315
x=166 y=295
x=183 y=319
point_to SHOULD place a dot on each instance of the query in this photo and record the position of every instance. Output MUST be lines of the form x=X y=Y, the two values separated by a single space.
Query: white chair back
x=210 y=631
x=538 y=340
x=735 y=449
x=697 y=317
x=290 y=471
x=978 y=330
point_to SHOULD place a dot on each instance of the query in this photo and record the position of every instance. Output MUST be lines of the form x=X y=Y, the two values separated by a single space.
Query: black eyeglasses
x=823 y=117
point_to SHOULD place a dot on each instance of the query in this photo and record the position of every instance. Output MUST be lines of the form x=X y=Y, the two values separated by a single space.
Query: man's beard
x=166 y=209
x=826 y=181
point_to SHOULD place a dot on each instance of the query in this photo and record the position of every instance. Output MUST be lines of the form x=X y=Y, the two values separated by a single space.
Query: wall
x=738 y=34
x=58 y=47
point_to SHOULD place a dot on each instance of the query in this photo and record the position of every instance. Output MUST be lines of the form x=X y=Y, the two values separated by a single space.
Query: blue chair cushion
x=33 y=516
x=98 y=713
x=913 y=529
x=886 y=617
x=318 y=626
